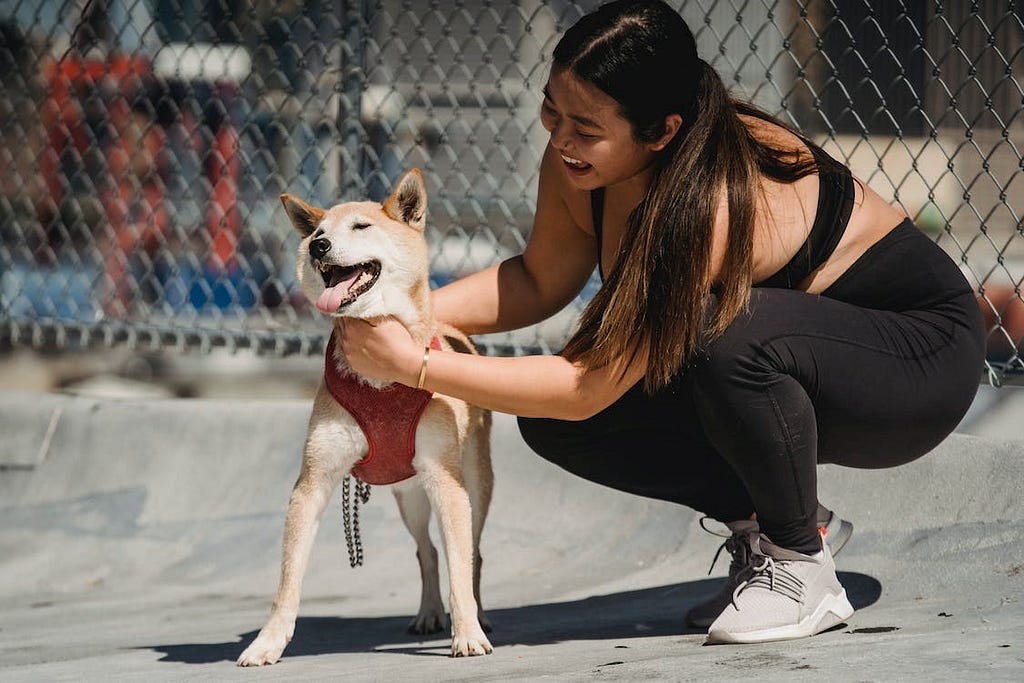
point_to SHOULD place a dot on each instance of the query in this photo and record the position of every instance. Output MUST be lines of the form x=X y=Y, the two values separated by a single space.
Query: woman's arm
x=530 y=386
x=526 y=289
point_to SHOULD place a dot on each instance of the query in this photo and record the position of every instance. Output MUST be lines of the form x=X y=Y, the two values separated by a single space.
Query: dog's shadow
x=632 y=614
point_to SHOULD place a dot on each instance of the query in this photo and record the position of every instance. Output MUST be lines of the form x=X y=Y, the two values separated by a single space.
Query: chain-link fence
x=145 y=143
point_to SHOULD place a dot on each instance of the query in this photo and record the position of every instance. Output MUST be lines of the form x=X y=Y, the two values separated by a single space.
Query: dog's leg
x=415 y=509
x=319 y=477
x=442 y=480
x=480 y=484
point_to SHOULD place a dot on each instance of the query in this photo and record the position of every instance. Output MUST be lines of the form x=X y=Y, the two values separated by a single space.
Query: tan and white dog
x=367 y=260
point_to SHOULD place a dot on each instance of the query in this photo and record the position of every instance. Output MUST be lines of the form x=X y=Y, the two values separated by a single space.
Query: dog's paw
x=429 y=620
x=471 y=645
x=266 y=649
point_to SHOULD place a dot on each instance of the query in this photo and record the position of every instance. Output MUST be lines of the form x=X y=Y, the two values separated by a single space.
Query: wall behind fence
x=145 y=143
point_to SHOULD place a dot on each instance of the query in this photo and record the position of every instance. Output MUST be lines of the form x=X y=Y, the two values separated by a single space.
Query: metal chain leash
x=350 y=518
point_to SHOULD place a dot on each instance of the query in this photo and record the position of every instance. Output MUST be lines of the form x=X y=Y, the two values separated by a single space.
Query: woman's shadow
x=631 y=614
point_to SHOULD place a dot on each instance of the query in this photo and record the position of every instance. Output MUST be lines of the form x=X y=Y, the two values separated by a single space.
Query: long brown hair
x=655 y=298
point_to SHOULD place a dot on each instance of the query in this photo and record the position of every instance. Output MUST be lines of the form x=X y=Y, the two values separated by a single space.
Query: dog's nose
x=319 y=247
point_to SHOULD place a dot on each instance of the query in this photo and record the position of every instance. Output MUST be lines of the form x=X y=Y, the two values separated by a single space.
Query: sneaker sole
x=833 y=610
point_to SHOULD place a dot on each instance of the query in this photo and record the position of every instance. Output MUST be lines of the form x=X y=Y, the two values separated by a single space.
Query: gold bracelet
x=423 y=368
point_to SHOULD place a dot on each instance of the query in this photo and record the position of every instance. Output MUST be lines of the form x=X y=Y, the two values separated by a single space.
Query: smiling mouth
x=574 y=163
x=345 y=284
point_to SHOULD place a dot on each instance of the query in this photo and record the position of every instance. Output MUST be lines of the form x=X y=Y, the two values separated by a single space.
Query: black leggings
x=875 y=372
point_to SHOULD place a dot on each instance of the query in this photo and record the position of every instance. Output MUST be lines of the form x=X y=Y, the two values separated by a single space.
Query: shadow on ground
x=631 y=614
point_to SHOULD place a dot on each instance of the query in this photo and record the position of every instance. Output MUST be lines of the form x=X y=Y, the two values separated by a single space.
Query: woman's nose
x=559 y=136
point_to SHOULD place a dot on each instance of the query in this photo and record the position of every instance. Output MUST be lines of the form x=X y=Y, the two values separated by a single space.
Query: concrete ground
x=140 y=540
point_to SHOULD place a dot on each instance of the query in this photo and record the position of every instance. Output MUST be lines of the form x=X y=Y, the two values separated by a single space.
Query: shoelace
x=722 y=547
x=774 y=576
x=737 y=546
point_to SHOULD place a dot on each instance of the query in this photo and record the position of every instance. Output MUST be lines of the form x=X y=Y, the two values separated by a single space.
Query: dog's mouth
x=345 y=284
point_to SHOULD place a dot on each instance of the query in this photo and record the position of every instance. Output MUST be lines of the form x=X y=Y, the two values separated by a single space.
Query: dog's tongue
x=332 y=297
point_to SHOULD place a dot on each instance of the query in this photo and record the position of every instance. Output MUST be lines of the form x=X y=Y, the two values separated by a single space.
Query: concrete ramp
x=141 y=540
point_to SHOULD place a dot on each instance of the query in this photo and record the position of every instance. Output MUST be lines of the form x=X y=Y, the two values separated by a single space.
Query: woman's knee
x=546 y=437
x=533 y=431
x=750 y=377
x=736 y=360
x=761 y=346
x=573 y=447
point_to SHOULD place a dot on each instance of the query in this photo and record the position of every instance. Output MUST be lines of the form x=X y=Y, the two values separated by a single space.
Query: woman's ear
x=673 y=122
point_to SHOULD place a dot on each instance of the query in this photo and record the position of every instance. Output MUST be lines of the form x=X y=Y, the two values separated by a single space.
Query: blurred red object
x=105 y=144
x=72 y=81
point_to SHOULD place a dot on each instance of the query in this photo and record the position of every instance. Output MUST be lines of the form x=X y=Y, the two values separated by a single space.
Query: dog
x=368 y=260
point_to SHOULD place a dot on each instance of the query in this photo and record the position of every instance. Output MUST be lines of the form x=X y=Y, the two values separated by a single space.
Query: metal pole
x=356 y=17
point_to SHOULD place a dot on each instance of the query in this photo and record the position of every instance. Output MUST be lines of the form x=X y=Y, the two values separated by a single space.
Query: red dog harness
x=388 y=417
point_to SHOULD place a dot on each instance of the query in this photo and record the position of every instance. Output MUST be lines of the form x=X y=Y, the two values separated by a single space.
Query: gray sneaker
x=834 y=530
x=787 y=595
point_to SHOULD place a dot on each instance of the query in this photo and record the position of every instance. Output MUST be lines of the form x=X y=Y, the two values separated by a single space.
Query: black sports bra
x=835 y=205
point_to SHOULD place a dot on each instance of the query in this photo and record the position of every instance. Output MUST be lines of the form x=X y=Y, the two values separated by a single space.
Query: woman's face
x=596 y=143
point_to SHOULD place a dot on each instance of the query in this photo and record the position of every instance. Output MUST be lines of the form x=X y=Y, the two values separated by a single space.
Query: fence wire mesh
x=145 y=143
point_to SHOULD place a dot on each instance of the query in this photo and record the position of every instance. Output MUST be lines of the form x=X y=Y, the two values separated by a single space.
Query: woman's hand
x=382 y=350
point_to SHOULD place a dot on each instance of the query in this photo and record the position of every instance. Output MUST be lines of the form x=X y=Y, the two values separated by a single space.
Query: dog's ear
x=408 y=201
x=304 y=217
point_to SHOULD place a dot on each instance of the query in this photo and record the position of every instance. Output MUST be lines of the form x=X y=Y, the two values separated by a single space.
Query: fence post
x=355 y=26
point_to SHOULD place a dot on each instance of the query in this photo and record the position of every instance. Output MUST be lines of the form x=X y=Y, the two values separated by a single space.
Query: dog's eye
x=360 y=226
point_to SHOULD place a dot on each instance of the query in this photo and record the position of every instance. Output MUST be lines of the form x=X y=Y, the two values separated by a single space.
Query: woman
x=761 y=312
